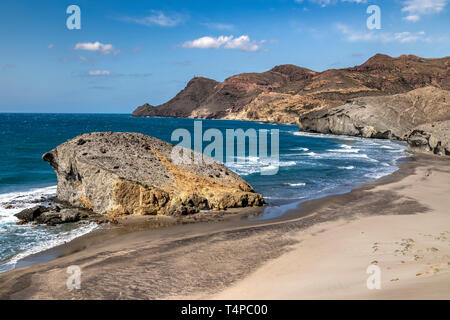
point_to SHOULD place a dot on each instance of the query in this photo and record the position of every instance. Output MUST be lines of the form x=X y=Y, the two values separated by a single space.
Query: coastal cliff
x=420 y=117
x=389 y=117
x=287 y=92
x=119 y=174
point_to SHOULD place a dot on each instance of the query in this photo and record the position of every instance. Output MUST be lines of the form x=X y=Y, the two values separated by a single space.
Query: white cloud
x=415 y=9
x=97 y=73
x=51 y=46
x=158 y=18
x=243 y=43
x=95 y=46
x=402 y=37
x=412 y=18
x=207 y=42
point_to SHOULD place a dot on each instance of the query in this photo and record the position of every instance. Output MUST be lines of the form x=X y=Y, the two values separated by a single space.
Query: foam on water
x=300 y=149
x=14 y=202
x=19 y=242
x=252 y=165
x=300 y=184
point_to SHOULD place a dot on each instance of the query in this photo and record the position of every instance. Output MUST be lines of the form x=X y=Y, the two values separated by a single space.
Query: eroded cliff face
x=287 y=92
x=387 y=117
x=431 y=138
x=129 y=173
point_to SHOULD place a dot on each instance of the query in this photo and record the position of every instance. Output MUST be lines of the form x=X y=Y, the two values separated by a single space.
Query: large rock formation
x=431 y=138
x=389 y=117
x=129 y=173
x=286 y=92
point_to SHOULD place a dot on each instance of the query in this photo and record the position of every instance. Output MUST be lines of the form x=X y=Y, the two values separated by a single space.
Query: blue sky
x=131 y=52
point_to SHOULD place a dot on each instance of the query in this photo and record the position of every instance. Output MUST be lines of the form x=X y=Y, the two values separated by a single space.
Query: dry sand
x=319 y=251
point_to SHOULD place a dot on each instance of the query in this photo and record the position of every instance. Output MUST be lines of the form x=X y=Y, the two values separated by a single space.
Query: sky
x=128 y=53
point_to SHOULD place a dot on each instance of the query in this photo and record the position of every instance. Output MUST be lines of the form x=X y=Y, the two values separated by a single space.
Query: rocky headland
x=419 y=117
x=389 y=117
x=287 y=92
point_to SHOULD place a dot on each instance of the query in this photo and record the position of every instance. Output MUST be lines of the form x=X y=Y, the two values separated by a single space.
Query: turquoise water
x=310 y=166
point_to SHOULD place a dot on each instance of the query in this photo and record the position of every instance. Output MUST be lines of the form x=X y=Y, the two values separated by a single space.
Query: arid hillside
x=286 y=92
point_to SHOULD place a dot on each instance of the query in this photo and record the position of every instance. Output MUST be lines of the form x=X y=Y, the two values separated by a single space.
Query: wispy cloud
x=415 y=9
x=51 y=46
x=243 y=43
x=96 y=46
x=157 y=18
x=324 y=3
x=107 y=73
x=402 y=37
x=219 y=26
x=99 y=73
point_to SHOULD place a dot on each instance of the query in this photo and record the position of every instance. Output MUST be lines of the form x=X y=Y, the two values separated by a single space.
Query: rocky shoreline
x=431 y=138
x=420 y=117
x=116 y=174
x=121 y=264
x=56 y=214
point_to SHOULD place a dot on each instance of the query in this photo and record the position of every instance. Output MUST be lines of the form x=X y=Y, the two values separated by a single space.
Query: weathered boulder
x=431 y=138
x=129 y=173
x=52 y=218
x=30 y=215
x=51 y=215
x=386 y=117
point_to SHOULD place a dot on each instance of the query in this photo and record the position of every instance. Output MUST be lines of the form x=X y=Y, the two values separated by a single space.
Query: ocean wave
x=301 y=184
x=30 y=239
x=377 y=175
x=341 y=155
x=257 y=165
x=299 y=149
x=46 y=241
x=347 y=168
x=345 y=149
x=14 y=202
x=323 y=135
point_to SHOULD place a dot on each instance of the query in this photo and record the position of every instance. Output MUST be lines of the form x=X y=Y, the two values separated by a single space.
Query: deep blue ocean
x=311 y=166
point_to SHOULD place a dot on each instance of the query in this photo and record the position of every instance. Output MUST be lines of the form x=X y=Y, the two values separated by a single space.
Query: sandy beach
x=330 y=259
x=321 y=250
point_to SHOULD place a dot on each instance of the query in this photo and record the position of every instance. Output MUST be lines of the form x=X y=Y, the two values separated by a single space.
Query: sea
x=311 y=166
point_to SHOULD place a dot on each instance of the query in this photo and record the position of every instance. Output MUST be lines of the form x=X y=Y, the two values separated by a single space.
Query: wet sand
x=319 y=250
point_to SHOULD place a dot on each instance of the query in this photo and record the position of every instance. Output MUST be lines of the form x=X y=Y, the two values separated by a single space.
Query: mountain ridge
x=287 y=92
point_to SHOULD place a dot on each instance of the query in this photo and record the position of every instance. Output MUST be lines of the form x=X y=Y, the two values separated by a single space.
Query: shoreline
x=266 y=240
x=264 y=214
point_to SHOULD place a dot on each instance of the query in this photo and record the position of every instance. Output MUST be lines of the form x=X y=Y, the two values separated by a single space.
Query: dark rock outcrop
x=30 y=215
x=431 y=138
x=287 y=92
x=129 y=173
x=386 y=117
x=51 y=215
